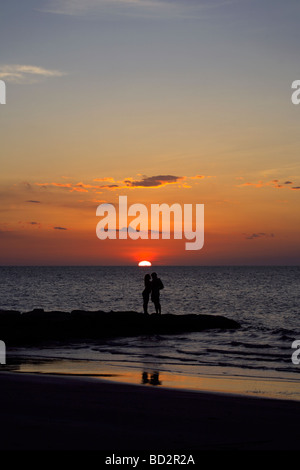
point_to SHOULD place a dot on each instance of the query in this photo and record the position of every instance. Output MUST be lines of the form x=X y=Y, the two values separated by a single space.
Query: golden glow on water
x=248 y=386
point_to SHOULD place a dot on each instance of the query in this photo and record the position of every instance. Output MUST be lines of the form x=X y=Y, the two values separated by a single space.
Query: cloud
x=108 y=186
x=59 y=185
x=253 y=236
x=153 y=181
x=145 y=181
x=199 y=177
x=77 y=187
x=295 y=187
x=132 y=230
x=109 y=179
x=33 y=201
x=145 y=8
x=259 y=184
x=27 y=186
x=60 y=228
x=26 y=73
x=35 y=224
x=273 y=184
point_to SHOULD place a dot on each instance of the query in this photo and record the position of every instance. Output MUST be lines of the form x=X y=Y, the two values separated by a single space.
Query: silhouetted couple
x=153 y=379
x=152 y=287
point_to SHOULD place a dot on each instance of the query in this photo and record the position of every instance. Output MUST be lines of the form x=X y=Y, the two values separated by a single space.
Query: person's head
x=154 y=275
x=147 y=277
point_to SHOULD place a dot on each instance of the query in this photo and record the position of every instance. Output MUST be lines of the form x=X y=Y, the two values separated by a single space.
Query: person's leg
x=157 y=306
x=145 y=305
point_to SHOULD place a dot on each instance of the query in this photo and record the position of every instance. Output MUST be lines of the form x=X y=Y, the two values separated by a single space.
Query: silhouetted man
x=157 y=285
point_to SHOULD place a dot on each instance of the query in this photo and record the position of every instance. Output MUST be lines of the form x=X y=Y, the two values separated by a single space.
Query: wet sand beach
x=40 y=412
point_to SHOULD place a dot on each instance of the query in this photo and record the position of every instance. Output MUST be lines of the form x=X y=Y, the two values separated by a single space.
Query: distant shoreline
x=142 y=269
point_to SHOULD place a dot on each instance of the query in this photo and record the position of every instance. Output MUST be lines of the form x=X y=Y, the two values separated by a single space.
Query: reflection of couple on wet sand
x=152 y=287
x=152 y=380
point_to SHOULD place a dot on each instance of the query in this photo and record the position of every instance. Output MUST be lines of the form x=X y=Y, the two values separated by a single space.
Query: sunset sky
x=182 y=101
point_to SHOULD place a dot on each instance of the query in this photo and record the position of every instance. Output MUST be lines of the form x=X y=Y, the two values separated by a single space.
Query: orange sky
x=164 y=102
x=246 y=222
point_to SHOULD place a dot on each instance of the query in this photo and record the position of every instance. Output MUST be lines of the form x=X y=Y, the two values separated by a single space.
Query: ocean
x=255 y=359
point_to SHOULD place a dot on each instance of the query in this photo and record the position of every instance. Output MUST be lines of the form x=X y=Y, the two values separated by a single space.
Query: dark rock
x=38 y=325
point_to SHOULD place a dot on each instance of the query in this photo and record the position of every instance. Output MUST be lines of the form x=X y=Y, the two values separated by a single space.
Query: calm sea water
x=265 y=300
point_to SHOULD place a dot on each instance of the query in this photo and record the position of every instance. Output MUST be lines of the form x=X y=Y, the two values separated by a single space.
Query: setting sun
x=145 y=263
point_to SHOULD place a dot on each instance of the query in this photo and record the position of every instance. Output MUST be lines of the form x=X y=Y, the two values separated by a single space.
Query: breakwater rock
x=38 y=325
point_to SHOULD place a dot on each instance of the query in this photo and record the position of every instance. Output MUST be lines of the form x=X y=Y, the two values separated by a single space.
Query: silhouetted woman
x=146 y=292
